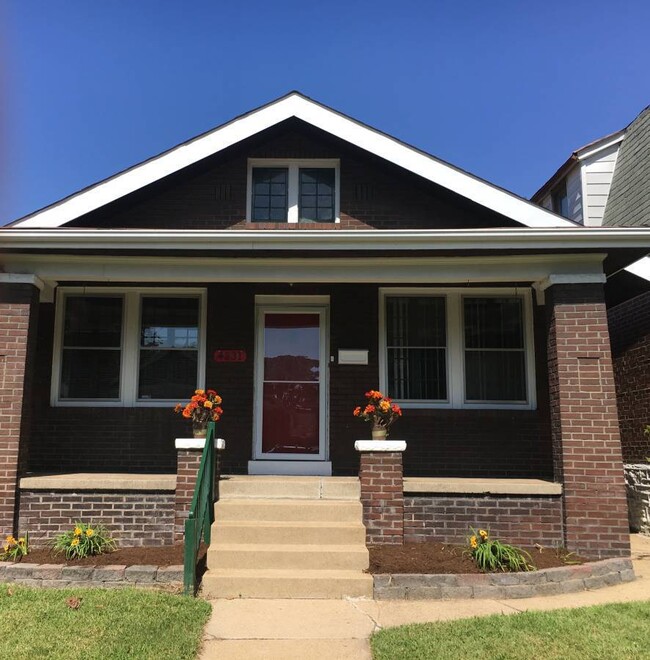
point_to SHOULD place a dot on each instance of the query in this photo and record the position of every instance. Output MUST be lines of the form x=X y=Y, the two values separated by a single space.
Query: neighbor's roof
x=296 y=105
x=628 y=203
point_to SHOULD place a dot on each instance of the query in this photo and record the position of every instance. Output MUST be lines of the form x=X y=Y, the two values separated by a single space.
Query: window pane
x=495 y=364
x=291 y=347
x=493 y=323
x=269 y=203
x=93 y=322
x=90 y=374
x=170 y=323
x=417 y=373
x=495 y=376
x=316 y=195
x=416 y=321
x=166 y=374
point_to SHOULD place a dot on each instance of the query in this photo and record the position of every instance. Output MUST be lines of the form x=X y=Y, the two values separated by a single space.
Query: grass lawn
x=108 y=624
x=607 y=632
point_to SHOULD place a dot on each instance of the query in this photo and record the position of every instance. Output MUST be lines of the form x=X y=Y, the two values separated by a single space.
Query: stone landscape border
x=116 y=575
x=545 y=582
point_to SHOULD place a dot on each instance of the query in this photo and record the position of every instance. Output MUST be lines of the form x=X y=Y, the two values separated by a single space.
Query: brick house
x=292 y=259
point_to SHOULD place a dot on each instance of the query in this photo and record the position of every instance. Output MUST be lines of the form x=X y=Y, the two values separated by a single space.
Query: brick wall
x=382 y=496
x=18 y=324
x=134 y=518
x=629 y=328
x=513 y=519
x=374 y=193
x=586 y=440
x=441 y=442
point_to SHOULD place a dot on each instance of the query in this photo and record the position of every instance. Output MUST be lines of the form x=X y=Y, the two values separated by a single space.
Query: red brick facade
x=586 y=441
x=514 y=519
x=629 y=328
x=374 y=193
x=133 y=518
x=382 y=496
x=441 y=442
x=189 y=461
x=18 y=325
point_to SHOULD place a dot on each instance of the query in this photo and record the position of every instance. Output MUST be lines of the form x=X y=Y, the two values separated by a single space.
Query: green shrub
x=492 y=555
x=84 y=541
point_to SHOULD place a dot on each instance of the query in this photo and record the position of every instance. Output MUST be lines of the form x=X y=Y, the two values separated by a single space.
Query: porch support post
x=586 y=442
x=18 y=321
x=382 y=490
x=189 y=452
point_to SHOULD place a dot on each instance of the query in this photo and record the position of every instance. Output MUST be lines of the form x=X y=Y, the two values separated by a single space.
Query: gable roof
x=628 y=203
x=296 y=105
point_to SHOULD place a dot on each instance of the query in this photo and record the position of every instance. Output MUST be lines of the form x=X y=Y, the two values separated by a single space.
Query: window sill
x=481 y=486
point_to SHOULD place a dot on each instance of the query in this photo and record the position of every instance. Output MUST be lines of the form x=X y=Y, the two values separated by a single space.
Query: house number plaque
x=229 y=355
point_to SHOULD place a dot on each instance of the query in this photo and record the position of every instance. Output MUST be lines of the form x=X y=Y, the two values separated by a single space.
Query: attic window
x=560 y=200
x=292 y=191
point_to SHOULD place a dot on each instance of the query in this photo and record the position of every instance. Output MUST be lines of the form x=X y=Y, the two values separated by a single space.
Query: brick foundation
x=18 y=320
x=513 y=519
x=584 y=420
x=189 y=461
x=382 y=496
x=134 y=518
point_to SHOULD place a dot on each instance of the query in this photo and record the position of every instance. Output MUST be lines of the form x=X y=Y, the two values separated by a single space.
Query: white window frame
x=294 y=165
x=130 y=358
x=456 y=345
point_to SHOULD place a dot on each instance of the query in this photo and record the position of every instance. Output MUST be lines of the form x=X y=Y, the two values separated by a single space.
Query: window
x=457 y=348
x=560 y=200
x=416 y=345
x=293 y=190
x=127 y=347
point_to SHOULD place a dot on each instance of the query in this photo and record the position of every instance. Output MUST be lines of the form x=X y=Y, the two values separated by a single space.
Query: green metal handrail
x=201 y=515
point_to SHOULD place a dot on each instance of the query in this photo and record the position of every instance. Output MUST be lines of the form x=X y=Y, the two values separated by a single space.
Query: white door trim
x=288 y=305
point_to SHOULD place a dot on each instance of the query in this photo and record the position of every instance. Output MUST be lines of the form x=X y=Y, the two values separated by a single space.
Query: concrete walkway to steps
x=340 y=629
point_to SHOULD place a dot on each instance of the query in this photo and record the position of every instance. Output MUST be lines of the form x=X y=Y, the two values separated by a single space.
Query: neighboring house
x=607 y=183
x=292 y=259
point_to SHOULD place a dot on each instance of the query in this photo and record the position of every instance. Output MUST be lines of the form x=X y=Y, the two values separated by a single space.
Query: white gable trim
x=293 y=105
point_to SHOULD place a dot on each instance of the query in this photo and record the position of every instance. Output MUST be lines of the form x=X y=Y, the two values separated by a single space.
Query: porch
x=539 y=411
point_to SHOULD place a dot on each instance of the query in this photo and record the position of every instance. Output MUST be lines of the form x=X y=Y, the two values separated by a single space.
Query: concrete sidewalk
x=340 y=629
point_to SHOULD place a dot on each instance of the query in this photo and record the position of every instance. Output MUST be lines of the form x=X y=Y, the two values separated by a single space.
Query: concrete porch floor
x=340 y=629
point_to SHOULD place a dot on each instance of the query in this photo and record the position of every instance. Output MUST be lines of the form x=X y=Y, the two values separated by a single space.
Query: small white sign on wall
x=348 y=356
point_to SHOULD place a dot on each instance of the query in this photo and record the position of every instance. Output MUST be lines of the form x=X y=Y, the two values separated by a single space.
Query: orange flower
x=187 y=412
x=178 y=408
x=357 y=411
x=216 y=416
x=211 y=393
x=201 y=392
x=396 y=409
x=369 y=409
x=217 y=399
x=384 y=406
x=207 y=404
x=218 y=410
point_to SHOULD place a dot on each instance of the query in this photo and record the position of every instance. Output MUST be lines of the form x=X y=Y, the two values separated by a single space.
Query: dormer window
x=293 y=190
x=560 y=200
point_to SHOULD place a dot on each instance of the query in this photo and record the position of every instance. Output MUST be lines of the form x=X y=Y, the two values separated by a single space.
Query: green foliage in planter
x=84 y=541
x=493 y=555
x=14 y=548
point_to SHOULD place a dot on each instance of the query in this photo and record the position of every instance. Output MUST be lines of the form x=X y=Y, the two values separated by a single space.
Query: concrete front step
x=308 y=557
x=287 y=510
x=308 y=488
x=287 y=532
x=269 y=583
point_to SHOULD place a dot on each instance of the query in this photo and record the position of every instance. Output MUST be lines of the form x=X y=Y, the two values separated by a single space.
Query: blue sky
x=503 y=89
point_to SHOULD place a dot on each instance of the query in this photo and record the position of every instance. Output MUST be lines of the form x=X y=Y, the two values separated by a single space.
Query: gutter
x=527 y=238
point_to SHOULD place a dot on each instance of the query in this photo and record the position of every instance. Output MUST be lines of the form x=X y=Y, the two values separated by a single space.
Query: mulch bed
x=437 y=558
x=162 y=555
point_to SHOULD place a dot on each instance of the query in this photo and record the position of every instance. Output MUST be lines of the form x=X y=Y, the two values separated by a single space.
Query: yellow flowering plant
x=14 y=549
x=84 y=540
x=493 y=555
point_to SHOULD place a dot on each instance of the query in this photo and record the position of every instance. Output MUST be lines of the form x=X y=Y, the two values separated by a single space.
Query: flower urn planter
x=379 y=434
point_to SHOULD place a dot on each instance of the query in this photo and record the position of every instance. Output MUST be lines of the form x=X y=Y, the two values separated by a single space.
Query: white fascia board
x=640 y=268
x=385 y=269
x=564 y=238
x=596 y=147
x=295 y=105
